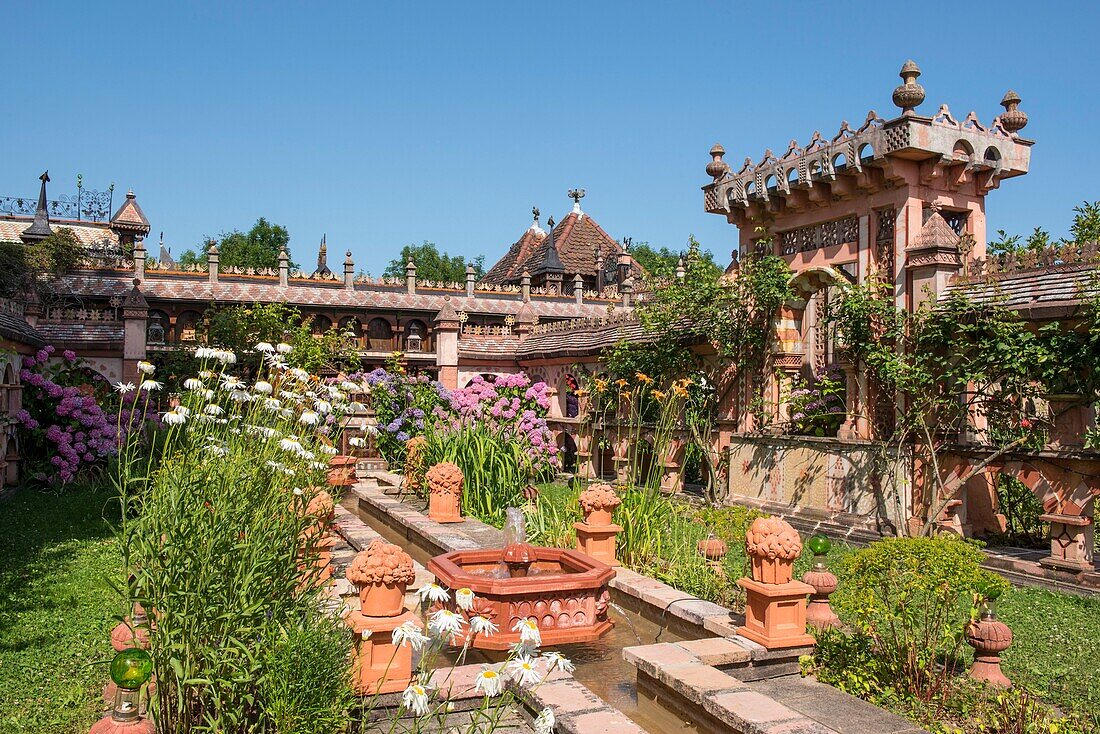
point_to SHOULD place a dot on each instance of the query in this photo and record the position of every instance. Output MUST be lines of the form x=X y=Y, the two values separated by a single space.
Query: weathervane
x=576 y=195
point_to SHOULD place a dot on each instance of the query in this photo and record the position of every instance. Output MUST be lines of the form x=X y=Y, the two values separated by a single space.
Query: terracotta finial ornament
x=414 y=463
x=717 y=168
x=444 y=492
x=596 y=535
x=599 y=497
x=1013 y=119
x=989 y=637
x=381 y=572
x=910 y=94
x=322 y=507
x=772 y=544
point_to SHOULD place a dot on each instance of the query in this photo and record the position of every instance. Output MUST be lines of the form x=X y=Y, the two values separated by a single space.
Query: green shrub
x=913 y=598
x=307 y=689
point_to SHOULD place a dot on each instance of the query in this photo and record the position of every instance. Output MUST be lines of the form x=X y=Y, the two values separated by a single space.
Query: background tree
x=431 y=264
x=661 y=263
x=38 y=267
x=1084 y=228
x=257 y=248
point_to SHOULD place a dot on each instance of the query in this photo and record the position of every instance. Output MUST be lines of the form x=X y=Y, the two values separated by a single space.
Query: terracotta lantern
x=775 y=606
x=989 y=637
x=597 y=535
x=381 y=573
x=445 y=493
x=819 y=613
x=131 y=670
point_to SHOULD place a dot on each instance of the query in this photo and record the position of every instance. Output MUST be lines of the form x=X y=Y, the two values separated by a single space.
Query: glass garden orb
x=131 y=668
x=819 y=544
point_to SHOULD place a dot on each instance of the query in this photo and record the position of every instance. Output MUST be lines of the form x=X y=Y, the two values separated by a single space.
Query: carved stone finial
x=935 y=207
x=910 y=94
x=717 y=168
x=772 y=546
x=1013 y=119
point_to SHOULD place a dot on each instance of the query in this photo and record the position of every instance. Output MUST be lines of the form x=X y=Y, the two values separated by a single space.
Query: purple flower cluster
x=63 y=416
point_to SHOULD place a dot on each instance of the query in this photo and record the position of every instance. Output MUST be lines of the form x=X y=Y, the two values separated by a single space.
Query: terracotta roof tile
x=87 y=233
x=1037 y=288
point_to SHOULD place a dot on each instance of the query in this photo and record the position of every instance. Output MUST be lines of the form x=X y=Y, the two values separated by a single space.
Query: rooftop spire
x=322 y=257
x=535 y=223
x=576 y=195
x=40 y=228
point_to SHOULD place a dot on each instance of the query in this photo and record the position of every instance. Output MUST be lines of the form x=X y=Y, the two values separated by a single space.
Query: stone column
x=525 y=285
x=349 y=272
x=284 y=268
x=410 y=277
x=578 y=289
x=139 y=260
x=445 y=335
x=471 y=278
x=135 y=317
x=212 y=258
x=1071 y=543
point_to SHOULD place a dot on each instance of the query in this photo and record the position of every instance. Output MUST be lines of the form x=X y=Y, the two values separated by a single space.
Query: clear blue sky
x=388 y=125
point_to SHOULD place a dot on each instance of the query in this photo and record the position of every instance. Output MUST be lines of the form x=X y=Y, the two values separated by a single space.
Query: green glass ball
x=131 y=668
x=819 y=544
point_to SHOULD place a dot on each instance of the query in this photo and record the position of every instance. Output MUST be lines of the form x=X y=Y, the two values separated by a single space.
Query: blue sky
x=383 y=125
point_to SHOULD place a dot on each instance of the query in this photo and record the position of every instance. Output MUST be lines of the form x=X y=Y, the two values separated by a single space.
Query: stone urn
x=989 y=637
x=772 y=545
x=712 y=549
x=597 y=503
x=445 y=493
x=382 y=572
x=819 y=613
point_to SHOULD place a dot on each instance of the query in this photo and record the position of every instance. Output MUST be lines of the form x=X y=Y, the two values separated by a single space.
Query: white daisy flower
x=330 y=450
x=318 y=465
x=226 y=357
x=522 y=670
x=151 y=385
x=309 y=417
x=283 y=348
x=528 y=632
x=415 y=699
x=557 y=661
x=349 y=386
x=273 y=404
x=464 y=598
x=239 y=396
x=291 y=444
x=298 y=373
x=208 y=395
x=174 y=418
x=482 y=626
x=489 y=682
x=445 y=623
x=544 y=722
x=323 y=407
x=275 y=361
x=232 y=382
x=262 y=387
x=409 y=633
x=183 y=410
x=216 y=450
x=207 y=374
x=146 y=368
x=213 y=410
x=193 y=383
x=265 y=347
x=356 y=407
x=124 y=387
x=264 y=431
x=205 y=353
x=357 y=442
x=297 y=491
x=286 y=413
x=433 y=592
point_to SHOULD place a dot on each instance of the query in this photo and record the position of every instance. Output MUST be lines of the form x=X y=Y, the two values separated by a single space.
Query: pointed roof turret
x=164 y=257
x=322 y=257
x=40 y=228
x=129 y=217
x=551 y=262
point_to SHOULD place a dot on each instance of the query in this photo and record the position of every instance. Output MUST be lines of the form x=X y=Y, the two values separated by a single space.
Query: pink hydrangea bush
x=65 y=428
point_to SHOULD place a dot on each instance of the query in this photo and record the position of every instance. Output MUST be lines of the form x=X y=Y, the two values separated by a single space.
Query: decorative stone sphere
x=381 y=563
x=910 y=94
x=989 y=637
x=445 y=479
x=712 y=548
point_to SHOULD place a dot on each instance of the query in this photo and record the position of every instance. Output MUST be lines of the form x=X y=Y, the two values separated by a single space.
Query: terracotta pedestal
x=1071 y=543
x=444 y=493
x=989 y=637
x=108 y=725
x=598 y=541
x=341 y=472
x=775 y=614
x=379 y=665
x=819 y=613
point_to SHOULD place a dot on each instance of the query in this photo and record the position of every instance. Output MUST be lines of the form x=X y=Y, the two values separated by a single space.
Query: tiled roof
x=16 y=329
x=580 y=342
x=576 y=238
x=488 y=347
x=130 y=216
x=267 y=290
x=1035 y=290
x=82 y=333
x=87 y=233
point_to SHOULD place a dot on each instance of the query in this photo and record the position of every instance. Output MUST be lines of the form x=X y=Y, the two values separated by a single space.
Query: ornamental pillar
x=135 y=318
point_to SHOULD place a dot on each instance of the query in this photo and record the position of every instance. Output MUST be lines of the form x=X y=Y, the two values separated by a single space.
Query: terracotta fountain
x=563 y=590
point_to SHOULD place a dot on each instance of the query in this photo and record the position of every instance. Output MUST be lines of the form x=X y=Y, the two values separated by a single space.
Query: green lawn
x=56 y=609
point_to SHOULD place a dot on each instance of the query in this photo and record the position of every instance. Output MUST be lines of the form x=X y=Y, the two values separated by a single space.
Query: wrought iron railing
x=86 y=206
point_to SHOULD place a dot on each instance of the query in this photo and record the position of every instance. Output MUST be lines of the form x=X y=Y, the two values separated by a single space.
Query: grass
x=57 y=611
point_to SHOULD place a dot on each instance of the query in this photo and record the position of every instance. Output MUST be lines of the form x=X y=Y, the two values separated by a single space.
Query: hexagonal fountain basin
x=564 y=591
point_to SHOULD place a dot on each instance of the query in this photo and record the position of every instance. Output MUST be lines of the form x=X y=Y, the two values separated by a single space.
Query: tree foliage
x=431 y=264
x=661 y=262
x=734 y=315
x=240 y=328
x=257 y=248
x=1085 y=227
x=37 y=267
